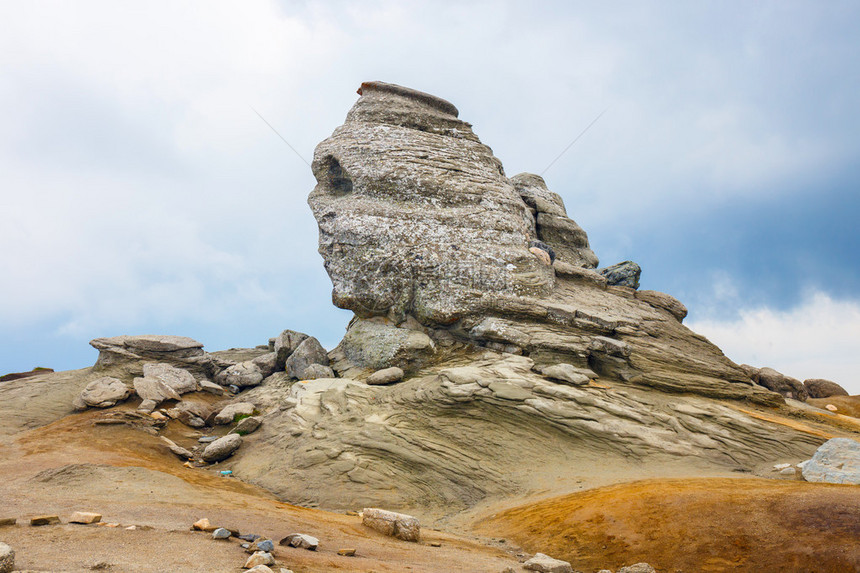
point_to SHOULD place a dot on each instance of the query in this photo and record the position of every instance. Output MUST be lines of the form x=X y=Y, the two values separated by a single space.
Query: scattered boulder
x=265 y=545
x=267 y=363
x=317 y=371
x=154 y=389
x=397 y=525
x=638 y=568
x=222 y=448
x=177 y=378
x=104 y=392
x=836 y=461
x=6 y=521
x=85 y=517
x=285 y=344
x=308 y=352
x=259 y=558
x=568 y=373
x=300 y=540
x=820 y=388
x=228 y=414
x=147 y=406
x=243 y=375
x=385 y=376
x=547 y=564
x=780 y=383
x=622 y=274
x=247 y=425
x=7 y=559
x=347 y=552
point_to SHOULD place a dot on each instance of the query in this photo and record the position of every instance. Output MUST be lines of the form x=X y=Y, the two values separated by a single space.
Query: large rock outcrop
x=419 y=224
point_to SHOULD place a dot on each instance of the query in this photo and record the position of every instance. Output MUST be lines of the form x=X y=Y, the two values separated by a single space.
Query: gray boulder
x=242 y=375
x=375 y=345
x=222 y=448
x=308 y=352
x=192 y=414
x=547 y=564
x=177 y=350
x=104 y=392
x=285 y=344
x=836 y=461
x=177 y=378
x=622 y=274
x=820 y=388
x=267 y=363
x=7 y=559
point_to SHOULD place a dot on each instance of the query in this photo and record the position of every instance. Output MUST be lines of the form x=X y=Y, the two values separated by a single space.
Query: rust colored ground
x=695 y=525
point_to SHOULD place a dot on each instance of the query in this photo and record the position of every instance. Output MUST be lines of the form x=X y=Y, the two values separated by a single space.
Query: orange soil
x=695 y=525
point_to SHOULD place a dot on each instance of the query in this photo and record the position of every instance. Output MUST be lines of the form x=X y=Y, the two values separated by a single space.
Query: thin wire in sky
x=282 y=137
x=574 y=141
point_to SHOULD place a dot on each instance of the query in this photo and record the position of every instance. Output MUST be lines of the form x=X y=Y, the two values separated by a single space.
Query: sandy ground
x=126 y=476
x=695 y=525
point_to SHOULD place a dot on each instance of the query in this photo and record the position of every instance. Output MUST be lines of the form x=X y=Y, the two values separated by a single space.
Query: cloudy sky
x=140 y=193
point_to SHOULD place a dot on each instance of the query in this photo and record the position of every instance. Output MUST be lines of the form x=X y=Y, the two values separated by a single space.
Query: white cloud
x=818 y=338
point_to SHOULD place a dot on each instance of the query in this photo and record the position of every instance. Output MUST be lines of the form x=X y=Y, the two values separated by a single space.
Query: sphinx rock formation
x=421 y=229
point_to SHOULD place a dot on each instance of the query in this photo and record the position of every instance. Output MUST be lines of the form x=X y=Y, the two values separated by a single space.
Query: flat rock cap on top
x=151 y=342
x=425 y=98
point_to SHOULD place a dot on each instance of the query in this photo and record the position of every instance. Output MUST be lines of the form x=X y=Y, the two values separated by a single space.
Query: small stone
x=300 y=540
x=221 y=533
x=203 y=525
x=157 y=416
x=831 y=407
x=104 y=392
x=85 y=517
x=177 y=449
x=207 y=439
x=346 y=552
x=4 y=521
x=7 y=559
x=131 y=528
x=259 y=558
x=435 y=544
x=385 y=376
x=542 y=255
x=547 y=564
x=266 y=545
x=44 y=520
x=780 y=467
x=789 y=471
x=147 y=406
x=249 y=537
